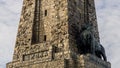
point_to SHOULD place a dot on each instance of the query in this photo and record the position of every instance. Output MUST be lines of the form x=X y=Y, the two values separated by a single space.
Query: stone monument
x=53 y=34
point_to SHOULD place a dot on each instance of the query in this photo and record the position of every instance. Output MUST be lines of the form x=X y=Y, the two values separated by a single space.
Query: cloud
x=9 y=19
x=108 y=21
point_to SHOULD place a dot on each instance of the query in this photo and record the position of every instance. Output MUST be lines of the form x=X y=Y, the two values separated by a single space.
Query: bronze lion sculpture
x=88 y=44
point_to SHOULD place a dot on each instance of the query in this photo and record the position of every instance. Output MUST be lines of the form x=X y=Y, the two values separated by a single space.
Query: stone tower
x=48 y=35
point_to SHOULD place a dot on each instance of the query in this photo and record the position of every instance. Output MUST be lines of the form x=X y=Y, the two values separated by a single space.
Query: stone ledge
x=37 y=64
x=93 y=62
x=83 y=61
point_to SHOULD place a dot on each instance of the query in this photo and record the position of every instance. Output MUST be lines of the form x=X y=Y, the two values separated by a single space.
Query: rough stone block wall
x=90 y=61
x=60 y=21
x=54 y=24
x=76 y=19
x=82 y=61
x=25 y=29
x=93 y=18
x=35 y=64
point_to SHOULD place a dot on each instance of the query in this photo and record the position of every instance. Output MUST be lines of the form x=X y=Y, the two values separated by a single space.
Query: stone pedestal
x=90 y=61
x=82 y=61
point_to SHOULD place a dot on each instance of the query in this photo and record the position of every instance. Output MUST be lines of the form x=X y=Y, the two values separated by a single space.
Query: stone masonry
x=47 y=34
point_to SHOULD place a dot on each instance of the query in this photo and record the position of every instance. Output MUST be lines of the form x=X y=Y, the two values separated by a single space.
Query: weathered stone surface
x=90 y=61
x=82 y=61
x=47 y=35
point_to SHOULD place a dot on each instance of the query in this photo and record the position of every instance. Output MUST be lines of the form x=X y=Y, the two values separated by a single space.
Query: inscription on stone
x=43 y=54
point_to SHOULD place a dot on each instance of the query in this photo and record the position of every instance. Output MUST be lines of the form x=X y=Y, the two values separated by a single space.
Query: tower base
x=83 y=61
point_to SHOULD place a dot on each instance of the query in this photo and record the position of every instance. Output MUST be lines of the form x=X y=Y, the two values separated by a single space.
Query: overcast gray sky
x=108 y=17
